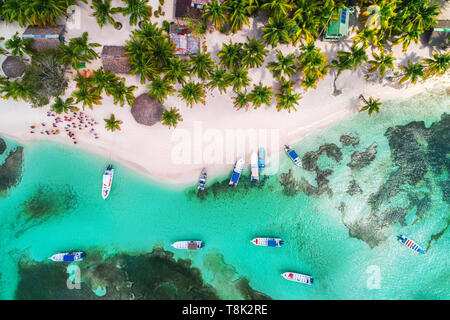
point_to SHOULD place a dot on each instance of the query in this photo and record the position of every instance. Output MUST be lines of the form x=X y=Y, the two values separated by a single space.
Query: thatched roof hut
x=45 y=38
x=114 y=59
x=12 y=67
x=146 y=110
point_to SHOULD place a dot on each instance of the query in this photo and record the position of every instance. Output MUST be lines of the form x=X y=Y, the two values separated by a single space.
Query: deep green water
x=140 y=214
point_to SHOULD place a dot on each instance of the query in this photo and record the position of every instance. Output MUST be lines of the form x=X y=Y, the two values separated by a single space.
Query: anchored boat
x=236 y=172
x=107 y=181
x=267 y=242
x=293 y=155
x=202 y=180
x=411 y=244
x=262 y=159
x=254 y=172
x=298 y=277
x=68 y=256
x=188 y=245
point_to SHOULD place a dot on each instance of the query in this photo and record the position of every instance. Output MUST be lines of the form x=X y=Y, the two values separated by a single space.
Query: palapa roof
x=12 y=67
x=146 y=110
x=44 y=38
x=114 y=59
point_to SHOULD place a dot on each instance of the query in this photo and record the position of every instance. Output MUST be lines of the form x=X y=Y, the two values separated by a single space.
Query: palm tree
x=278 y=8
x=309 y=81
x=160 y=89
x=260 y=95
x=19 y=46
x=279 y=30
x=287 y=99
x=138 y=10
x=438 y=65
x=2 y=50
x=148 y=33
x=177 y=70
x=103 y=12
x=366 y=37
x=219 y=80
x=79 y=50
x=254 y=53
x=284 y=67
x=350 y=60
x=241 y=100
x=61 y=106
x=160 y=53
x=202 y=65
x=13 y=89
x=121 y=93
x=238 y=78
x=87 y=96
x=112 y=124
x=231 y=55
x=381 y=63
x=103 y=80
x=412 y=72
x=313 y=64
x=408 y=35
x=371 y=105
x=239 y=10
x=193 y=93
x=215 y=13
x=171 y=117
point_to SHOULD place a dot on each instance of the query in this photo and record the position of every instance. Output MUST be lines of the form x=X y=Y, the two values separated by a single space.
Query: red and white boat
x=107 y=181
x=298 y=277
x=188 y=245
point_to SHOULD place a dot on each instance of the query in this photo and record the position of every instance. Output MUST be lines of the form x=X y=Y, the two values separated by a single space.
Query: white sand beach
x=151 y=149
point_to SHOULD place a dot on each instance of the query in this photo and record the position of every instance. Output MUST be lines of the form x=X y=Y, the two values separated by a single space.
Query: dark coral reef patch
x=150 y=276
x=11 y=170
x=2 y=146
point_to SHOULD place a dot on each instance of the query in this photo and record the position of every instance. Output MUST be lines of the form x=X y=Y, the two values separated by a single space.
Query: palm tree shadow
x=412 y=56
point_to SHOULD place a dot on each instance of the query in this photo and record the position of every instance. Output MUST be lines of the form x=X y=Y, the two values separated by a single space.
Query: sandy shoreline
x=152 y=150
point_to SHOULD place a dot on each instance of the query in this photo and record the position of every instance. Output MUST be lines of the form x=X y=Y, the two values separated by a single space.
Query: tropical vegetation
x=171 y=117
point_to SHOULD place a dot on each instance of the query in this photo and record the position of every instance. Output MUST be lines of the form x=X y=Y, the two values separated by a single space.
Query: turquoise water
x=139 y=214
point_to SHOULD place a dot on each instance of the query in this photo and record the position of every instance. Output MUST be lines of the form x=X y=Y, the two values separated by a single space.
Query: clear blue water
x=140 y=214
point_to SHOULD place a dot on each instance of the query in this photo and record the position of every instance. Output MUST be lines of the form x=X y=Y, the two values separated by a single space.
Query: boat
x=188 y=245
x=202 y=180
x=236 y=172
x=411 y=244
x=293 y=155
x=298 y=277
x=262 y=159
x=267 y=242
x=254 y=172
x=68 y=256
x=107 y=181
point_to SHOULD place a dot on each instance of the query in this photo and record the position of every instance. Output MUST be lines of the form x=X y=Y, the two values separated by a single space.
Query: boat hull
x=67 y=256
x=267 y=242
x=107 y=182
x=293 y=155
x=202 y=180
x=236 y=173
x=262 y=159
x=298 y=277
x=411 y=244
x=254 y=172
x=188 y=245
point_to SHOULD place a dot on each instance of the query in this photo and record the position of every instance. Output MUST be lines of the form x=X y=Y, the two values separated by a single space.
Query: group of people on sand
x=71 y=123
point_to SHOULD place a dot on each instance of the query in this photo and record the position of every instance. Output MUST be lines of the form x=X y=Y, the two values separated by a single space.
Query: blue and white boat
x=254 y=169
x=267 y=242
x=202 y=180
x=262 y=159
x=411 y=244
x=293 y=155
x=236 y=173
x=298 y=277
x=68 y=256
x=188 y=245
